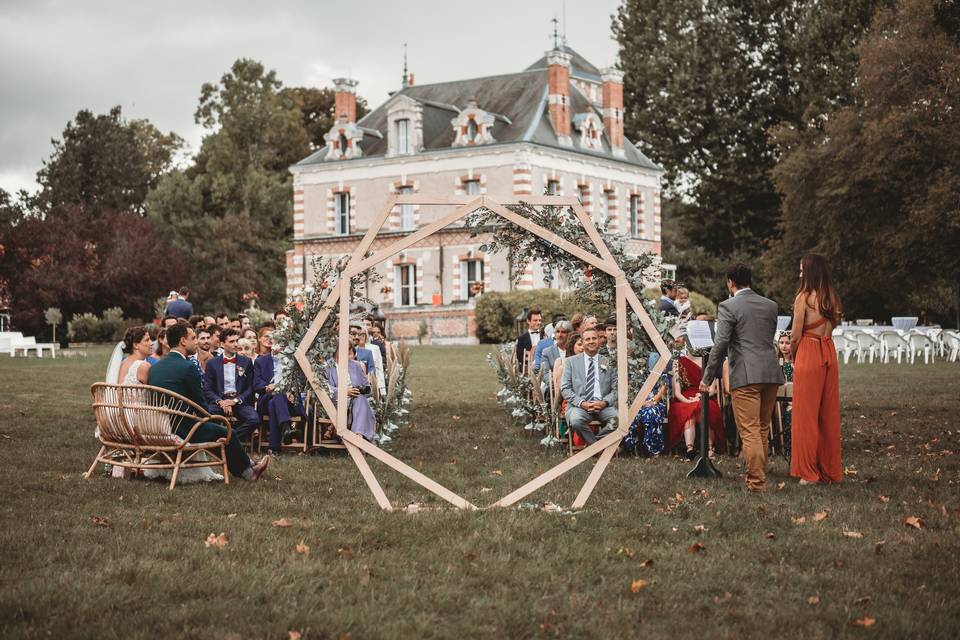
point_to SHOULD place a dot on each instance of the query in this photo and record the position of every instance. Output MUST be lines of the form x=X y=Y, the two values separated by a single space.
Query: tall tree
x=316 y=107
x=878 y=190
x=704 y=82
x=104 y=163
x=230 y=211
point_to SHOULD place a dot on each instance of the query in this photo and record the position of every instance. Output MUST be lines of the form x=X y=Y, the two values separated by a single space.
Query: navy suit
x=176 y=373
x=365 y=356
x=179 y=309
x=244 y=411
x=272 y=404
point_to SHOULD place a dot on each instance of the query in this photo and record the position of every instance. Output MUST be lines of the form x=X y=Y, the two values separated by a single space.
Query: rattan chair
x=136 y=426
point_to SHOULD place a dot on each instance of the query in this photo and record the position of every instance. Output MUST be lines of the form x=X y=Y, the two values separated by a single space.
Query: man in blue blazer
x=181 y=307
x=176 y=373
x=363 y=354
x=228 y=385
x=278 y=406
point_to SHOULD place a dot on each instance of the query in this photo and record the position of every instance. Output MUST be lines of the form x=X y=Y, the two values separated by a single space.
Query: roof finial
x=564 y=37
x=556 y=34
x=406 y=77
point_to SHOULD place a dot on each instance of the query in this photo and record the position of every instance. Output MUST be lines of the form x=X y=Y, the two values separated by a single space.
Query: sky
x=151 y=58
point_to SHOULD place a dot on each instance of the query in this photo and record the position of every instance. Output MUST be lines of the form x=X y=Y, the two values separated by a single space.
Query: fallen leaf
x=781 y=485
x=294 y=635
x=936 y=476
x=696 y=547
x=647 y=563
x=812 y=600
x=218 y=542
x=865 y=622
x=454 y=417
x=344 y=552
x=231 y=515
x=282 y=523
x=627 y=551
x=770 y=535
x=726 y=597
x=862 y=600
x=101 y=521
x=301 y=548
x=884 y=498
x=700 y=528
x=879 y=546
x=853 y=534
x=819 y=516
x=637 y=585
x=913 y=521
x=800 y=520
x=849 y=471
x=485 y=489
x=497 y=472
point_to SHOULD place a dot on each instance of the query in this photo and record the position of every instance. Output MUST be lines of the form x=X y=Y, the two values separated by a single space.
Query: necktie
x=591 y=377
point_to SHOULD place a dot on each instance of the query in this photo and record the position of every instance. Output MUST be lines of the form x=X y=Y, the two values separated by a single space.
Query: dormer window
x=343 y=140
x=591 y=130
x=404 y=126
x=344 y=143
x=473 y=126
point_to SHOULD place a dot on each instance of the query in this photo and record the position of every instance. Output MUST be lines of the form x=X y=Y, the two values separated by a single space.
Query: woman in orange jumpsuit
x=815 y=452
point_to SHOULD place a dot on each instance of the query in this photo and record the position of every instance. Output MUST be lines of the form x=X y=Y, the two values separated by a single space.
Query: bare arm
x=796 y=330
x=142 y=371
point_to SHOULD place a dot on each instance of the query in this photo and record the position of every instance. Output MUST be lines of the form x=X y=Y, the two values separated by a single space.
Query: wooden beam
x=595 y=474
x=367 y=474
x=647 y=323
x=343 y=355
x=587 y=223
x=407 y=241
x=307 y=341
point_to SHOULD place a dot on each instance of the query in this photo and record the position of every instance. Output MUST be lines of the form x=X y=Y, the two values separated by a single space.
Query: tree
x=704 y=82
x=316 y=108
x=104 y=163
x=53 y=317
x=84 y=263
x=878 y=190
x=230 y=211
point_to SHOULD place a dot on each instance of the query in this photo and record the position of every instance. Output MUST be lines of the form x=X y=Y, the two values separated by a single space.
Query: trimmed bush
x=84 y=328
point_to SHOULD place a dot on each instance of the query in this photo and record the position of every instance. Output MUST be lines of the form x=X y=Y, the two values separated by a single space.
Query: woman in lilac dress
x=362 y=421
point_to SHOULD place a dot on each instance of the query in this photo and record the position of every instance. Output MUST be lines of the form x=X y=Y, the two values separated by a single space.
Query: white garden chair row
x=887 y=343
x=12 y=342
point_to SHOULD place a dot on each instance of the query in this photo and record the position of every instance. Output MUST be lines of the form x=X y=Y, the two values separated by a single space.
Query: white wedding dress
x=198 y=474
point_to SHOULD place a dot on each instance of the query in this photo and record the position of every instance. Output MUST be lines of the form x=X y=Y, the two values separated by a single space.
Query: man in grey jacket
x=589 y=385
x=746 y=324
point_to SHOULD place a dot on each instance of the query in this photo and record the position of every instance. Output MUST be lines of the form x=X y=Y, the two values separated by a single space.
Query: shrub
x=257 y=316
x=84 y=328
x=111 y=324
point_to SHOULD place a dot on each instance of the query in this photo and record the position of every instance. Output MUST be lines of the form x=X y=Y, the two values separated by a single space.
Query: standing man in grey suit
x=589 y=386
x=746 y=324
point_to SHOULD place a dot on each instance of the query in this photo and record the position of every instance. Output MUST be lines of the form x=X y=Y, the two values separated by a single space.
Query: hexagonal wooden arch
x=359 y=262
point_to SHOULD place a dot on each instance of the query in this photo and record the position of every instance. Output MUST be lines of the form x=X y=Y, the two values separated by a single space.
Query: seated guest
x=528 y=341
x=683 y=302
x=139 y=347
x=215 y=348
x=209 y=322
x=175 y=373
x=160 y=348
x=247 y=347
x=252 y=340
x=362 y=420
x=280 y=315
x=557 y=350
x=363 y=355
x=646 y=430
x=685 y=408
x=589 y=322
x=602 y=338
x=265 y=341
x=376 y=337
x=196 y=322
x=279 y=407
x=203 y=348
x=668 y=291
x=576 y=321
x=169 y=321
x=235 y=324
x=376 y=356
x=228 y=385
x=223 y=320
x=610 y=328
x=589 y=386
x=786 y=364
x=545 y=343
x=574 y=347
x=244 y=322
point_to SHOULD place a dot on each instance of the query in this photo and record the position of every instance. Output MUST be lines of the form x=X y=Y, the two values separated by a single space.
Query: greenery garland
x=392 y=410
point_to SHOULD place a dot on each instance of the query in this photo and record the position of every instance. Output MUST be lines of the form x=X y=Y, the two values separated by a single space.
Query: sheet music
x=699 y=334
x=783 y=323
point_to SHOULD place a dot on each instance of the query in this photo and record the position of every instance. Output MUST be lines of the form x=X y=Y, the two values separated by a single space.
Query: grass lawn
x=769 y=568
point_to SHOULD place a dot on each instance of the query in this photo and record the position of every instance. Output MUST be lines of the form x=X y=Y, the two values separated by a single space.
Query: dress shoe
x=259 y=468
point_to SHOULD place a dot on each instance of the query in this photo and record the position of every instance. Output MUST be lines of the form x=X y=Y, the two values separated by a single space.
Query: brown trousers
x=753 y=407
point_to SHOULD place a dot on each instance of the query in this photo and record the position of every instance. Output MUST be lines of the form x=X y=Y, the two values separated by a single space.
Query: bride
x=133 y=370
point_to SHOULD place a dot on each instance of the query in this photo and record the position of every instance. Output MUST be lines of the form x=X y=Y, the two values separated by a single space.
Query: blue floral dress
x=646 y=431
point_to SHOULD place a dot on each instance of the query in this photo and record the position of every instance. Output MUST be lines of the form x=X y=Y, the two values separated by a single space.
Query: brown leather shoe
x=259 y=468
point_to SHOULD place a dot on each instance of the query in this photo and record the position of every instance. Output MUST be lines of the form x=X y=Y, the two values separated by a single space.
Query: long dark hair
x=816 y=279
x=572 y=342
x=132 y=337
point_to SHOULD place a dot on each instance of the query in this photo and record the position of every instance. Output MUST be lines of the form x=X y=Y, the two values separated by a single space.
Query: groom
x=175 y=372
x=228 y=385
x=746 y=324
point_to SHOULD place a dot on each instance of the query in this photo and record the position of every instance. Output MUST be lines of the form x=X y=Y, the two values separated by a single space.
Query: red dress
x=690 y=375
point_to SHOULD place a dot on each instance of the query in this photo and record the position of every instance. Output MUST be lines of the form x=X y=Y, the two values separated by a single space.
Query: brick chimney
x=558 y=94
x=345 y=99
x=612 y=95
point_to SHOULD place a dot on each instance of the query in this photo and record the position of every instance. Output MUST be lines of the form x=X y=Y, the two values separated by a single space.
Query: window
x=406 y=278
x=582 y=193
x=603 y=206
x=553 y=187
x=472 y=130
x=472 y=187
x=406 y=210
x=471 y=278
x=342 y=140
x=342 y=212
x=634 y=215
x=403 y=136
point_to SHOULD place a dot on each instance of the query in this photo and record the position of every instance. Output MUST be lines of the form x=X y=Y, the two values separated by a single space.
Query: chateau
x=556 y=127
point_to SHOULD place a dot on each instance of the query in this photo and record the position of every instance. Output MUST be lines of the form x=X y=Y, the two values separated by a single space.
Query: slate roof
x=517 y=100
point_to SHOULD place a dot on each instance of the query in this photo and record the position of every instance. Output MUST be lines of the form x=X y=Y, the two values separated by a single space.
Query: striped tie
x=591 y=376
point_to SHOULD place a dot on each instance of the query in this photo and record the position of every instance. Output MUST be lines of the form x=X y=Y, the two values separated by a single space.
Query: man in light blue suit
x=589 y=385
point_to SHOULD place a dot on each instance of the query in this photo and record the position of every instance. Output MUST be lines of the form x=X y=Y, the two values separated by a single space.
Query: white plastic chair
x=951 y=340
x=920 y=341
x=936 y=335
x=866 y=345
x=844 y=344
x=893 y=341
